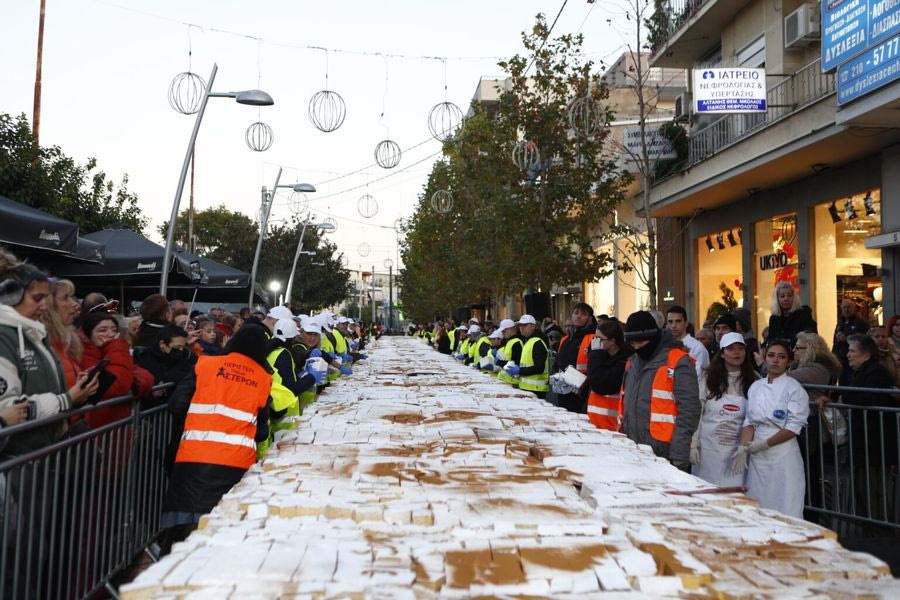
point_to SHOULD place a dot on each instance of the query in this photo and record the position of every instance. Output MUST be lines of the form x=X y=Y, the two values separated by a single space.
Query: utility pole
x=36 y=117
x=191 y=246
x=373 y=294
x=390 y=297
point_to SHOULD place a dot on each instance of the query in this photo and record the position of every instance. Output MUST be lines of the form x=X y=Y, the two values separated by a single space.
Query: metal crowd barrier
x=77 y=512
x=851 y=454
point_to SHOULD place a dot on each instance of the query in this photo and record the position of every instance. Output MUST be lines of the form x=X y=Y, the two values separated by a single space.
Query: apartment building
x=808 y=191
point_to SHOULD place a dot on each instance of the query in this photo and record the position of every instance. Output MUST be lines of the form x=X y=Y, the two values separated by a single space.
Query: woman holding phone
x=29 y=370
x=117 y=374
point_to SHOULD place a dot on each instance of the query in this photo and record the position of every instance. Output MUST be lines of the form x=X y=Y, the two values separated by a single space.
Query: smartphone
x=95 y=370
x=31 y=413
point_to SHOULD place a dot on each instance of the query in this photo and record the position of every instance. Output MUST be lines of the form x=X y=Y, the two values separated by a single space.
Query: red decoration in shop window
x=788 y=274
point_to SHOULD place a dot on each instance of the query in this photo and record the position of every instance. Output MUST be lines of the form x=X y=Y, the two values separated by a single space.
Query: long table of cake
x=417 y=477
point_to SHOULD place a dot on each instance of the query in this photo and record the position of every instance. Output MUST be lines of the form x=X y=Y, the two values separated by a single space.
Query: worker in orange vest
x=223 y=406
x=573 y=350
x=660 y=395
x=606 y=368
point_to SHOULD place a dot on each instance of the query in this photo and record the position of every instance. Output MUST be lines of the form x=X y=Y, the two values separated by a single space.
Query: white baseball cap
x=280 y=312
x=526 y=320
x=310 y=326
x=505 y=324
x=463 y=327
x=731 y=338
x=474 y=320
x=497 y=335
x=474 y=329
x=285 y=329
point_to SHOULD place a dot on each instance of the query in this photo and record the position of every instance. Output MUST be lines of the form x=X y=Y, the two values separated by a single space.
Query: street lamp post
x=249 y=97
x=325 y=227
x=268 y=198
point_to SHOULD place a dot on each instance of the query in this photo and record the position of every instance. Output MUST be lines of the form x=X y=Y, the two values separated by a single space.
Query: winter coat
x=29 y=367
x=872 y=374
x=568 y=350
x=819 y=372
x=605 y=372
x=638 y=382
x=121 y=378
x=71 y=367
x=786 y=327
x=852 y=326
x=166 y=368
x=148 y=333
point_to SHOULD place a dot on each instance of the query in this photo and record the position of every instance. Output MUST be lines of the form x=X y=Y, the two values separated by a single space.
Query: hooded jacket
x=29 y=367
x=637 y=384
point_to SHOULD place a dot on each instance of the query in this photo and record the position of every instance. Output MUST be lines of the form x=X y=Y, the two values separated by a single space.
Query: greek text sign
x=729 y=90
x=851 y=26
x=658 y=146
x=870 y=70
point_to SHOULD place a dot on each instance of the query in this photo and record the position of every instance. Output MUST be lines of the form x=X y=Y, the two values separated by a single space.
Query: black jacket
x=605 y=372
x=171 y=367
x=872 y=374
x=148 y=333
x=786 y=327
x=443 y=344
x=853 y=325
x=568 y=350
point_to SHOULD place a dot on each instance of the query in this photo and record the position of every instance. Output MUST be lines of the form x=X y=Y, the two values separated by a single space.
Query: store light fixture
x=709 y=244
x=720 y=240
x=835 y=214
x=869 y=203
x=849 y=212
x=741 y=236
x=731 y=239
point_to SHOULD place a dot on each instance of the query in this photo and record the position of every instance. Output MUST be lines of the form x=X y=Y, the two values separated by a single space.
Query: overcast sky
x=108 y=64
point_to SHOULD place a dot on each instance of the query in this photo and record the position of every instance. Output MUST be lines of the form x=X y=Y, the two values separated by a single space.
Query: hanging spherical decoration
x=259 y=137
x=398 y=224
x=443 y=121
x=332 y=222
x=388 y=263
x=442 y=201
x=298 y=203
x=387 y=154
x=525 y=155
x=585 y=115
x=186 y=92
x=327 y=110
x=367 y=206
x=364 y=249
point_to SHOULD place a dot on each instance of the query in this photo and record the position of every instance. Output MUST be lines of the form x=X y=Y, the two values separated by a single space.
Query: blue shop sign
x=851 y=26
x=869 y=71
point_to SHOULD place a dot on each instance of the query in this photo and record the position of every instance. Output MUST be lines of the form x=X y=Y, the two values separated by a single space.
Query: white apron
x=775 y=477
x=720 y=432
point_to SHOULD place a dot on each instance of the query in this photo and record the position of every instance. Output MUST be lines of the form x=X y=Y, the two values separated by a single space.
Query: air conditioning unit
x=684 y=106
x=803 y=26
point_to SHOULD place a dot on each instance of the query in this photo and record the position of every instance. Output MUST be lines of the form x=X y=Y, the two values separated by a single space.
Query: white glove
x=695 y=449
x=739 y=459
x=595 y=343
x=757 y=446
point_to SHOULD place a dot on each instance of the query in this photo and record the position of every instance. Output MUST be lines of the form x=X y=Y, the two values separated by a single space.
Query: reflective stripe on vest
x=507 y=350
x=534 y=383
x=282 y=398
x=663 y=409
x=220 y=425
x=604 y=411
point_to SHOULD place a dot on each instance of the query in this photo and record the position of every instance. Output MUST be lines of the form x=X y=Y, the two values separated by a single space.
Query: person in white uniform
x=777 y=410
x=723 y=396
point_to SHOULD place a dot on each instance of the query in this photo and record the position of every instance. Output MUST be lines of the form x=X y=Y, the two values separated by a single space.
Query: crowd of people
x=234 y=380
x=718 y=401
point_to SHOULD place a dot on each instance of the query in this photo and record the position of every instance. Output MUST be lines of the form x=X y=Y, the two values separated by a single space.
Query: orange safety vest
x=663 y=409
x=605 y=412
x=220 y=427
x=581 y=361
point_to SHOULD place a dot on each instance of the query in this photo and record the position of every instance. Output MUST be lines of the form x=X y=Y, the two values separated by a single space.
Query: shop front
x=812 y=234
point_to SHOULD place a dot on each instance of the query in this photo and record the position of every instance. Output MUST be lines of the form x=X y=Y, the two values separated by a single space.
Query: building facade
x=806 y=192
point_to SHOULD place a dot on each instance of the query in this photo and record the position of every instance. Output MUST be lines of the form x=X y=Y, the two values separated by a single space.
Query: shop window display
x=843 y=267
x=718 y=274
x=775 y=260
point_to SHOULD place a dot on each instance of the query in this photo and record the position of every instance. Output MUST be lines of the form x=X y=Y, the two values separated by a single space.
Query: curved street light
x=247 y=97
x=325 y=227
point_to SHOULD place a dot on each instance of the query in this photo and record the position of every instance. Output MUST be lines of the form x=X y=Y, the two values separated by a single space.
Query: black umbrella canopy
x=21 y=225
x=215 y=274
x=129 y=256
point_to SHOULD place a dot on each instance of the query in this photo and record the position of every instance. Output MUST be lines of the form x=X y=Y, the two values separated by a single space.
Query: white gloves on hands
x=739 y=459
x=695 y=448
x=757 y=446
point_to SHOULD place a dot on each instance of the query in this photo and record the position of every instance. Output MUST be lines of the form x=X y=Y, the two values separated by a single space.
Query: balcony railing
x=786 y=97
x=675 y=14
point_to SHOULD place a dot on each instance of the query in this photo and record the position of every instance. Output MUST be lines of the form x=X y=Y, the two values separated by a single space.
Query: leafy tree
x=510 y=230
x=230 y=238
x=46 y=179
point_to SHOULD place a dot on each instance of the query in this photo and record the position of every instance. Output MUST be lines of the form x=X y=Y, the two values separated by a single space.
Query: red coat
x=127 y=377
x=70 y=366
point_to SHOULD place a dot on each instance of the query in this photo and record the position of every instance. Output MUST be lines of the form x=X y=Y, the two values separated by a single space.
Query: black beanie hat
x=640 y=326
x=727 y=319
x=94 y=319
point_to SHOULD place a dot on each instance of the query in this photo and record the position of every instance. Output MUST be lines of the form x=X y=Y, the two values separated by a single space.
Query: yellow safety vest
x=328 y=347
x=507 y=351
x=534 y=383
